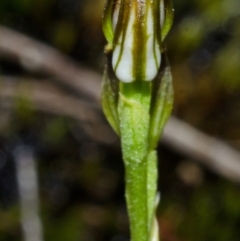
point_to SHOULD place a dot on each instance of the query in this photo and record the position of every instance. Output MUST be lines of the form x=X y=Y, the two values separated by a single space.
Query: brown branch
x=211 y=152
x=47 y=98
x=38 y=57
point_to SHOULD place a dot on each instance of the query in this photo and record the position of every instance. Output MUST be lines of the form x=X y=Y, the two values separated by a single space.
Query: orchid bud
x=135 y=29
x=137 y=99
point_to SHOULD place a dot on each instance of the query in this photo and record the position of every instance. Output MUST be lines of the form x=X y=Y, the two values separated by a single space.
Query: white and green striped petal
x=135 y=29
x=136 y=44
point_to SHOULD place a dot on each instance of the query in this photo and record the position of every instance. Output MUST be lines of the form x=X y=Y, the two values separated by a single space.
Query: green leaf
x=168 y=18
x=152 y=174
x=162 y=104
x=109 y=102
x=107 y=21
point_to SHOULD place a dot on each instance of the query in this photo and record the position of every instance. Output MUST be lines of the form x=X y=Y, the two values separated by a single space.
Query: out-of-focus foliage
x=204 y=49
x=82 y=181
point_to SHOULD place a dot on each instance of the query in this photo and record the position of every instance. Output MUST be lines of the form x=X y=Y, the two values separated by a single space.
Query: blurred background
x=61 y=170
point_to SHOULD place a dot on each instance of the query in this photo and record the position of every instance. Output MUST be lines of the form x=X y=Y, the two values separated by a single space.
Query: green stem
x=140 y=164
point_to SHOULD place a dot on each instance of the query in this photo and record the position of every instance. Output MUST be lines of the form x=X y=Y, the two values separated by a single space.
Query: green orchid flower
x=137 y=99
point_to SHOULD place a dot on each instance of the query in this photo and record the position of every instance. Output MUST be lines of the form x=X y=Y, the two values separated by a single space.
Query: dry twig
x=48 y=98
x=211 y=152
x=38 y=57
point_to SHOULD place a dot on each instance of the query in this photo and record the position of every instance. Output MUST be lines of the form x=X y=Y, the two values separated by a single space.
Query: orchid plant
x=137 y=99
